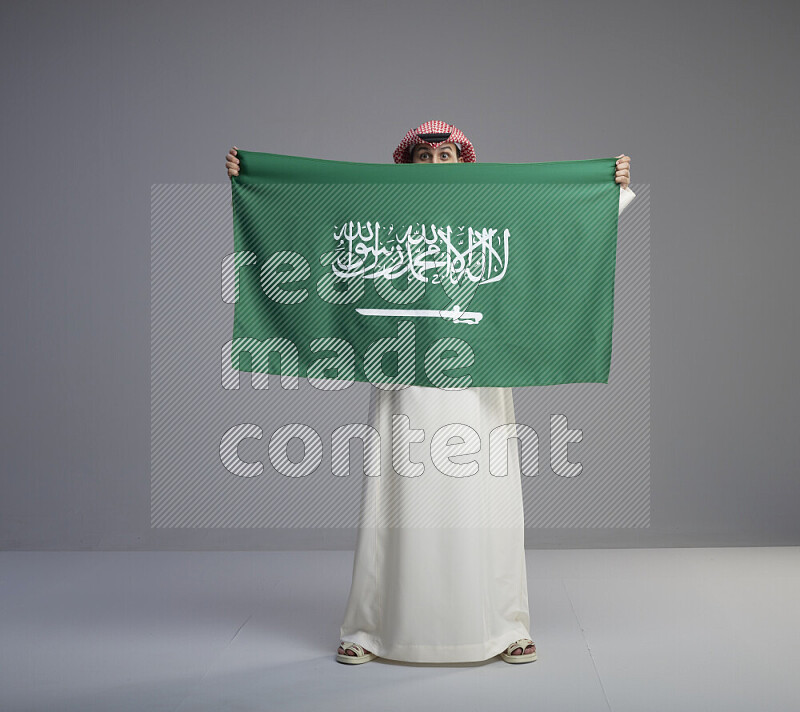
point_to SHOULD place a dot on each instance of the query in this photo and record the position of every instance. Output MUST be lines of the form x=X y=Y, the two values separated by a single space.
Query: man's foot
x=349 y=651
x=520 y=651
x=353 y=653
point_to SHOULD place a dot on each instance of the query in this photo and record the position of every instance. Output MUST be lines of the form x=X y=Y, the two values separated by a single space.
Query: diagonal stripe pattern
x=194 y=404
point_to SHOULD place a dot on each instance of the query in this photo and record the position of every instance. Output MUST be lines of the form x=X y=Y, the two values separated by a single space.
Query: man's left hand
x=623 y=170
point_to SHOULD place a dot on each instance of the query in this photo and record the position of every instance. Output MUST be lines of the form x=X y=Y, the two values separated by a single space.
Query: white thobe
x=439 y=568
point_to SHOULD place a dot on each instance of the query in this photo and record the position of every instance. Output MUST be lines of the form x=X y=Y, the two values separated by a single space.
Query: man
x=446 y=581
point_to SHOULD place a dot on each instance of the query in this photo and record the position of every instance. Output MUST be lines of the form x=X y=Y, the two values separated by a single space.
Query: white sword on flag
x=455 y=314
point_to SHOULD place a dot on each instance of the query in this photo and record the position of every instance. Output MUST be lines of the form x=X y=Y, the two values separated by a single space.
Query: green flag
x=446 y=275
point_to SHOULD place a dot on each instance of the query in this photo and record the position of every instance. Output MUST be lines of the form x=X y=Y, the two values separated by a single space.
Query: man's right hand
x=232 y=163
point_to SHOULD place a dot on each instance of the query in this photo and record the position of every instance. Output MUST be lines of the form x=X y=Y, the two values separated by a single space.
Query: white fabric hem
x=468 y=653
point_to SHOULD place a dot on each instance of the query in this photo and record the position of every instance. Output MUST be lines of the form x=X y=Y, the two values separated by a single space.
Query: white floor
x=639 y=630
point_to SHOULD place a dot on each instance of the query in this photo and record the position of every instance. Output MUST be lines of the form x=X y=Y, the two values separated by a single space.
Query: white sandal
x=361 y=656
x=522 y=643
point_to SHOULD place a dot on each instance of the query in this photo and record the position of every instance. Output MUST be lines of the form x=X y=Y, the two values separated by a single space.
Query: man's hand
x=232 y=163
x=623 y=170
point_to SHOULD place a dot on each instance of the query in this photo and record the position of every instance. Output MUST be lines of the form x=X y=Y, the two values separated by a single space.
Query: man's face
x=443 y=153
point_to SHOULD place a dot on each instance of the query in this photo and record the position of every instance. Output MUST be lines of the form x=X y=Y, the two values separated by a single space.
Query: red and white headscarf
x=433 y=133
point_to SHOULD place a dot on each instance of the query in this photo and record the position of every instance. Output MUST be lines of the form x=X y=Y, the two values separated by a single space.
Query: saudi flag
x=445 y=275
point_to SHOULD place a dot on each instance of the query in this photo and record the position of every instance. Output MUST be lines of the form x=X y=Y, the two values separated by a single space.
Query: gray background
x=104 y=99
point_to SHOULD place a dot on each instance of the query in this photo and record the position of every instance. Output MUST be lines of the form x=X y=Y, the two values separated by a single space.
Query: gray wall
x=104 y=99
